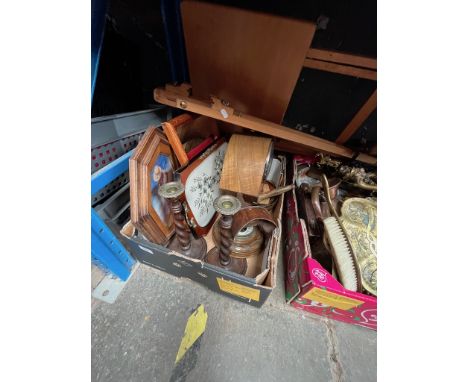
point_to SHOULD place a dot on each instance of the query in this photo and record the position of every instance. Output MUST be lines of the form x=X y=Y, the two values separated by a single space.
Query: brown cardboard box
x=253 y=289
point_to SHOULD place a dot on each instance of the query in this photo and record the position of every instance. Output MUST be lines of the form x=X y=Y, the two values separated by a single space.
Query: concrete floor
x=136 y=339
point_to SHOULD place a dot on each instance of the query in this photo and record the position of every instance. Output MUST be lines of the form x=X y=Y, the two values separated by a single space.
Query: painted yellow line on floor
x=195 y=327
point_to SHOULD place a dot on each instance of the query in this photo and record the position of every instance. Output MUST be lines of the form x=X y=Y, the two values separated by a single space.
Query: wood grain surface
x=171 y=130
x=244 y=164
x=251 y=59
x=143 y=216
x=185 y=127
x=342 y=58
x=253 y=215
x=346 y=70
x=293 y=141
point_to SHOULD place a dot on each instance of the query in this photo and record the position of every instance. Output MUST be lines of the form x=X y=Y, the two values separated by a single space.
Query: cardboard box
x=252 y=289
x=309 y=287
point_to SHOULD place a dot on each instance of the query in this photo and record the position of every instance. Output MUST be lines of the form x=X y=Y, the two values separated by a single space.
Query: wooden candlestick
x=247 y=243
x=227 y=206
x=184 y=242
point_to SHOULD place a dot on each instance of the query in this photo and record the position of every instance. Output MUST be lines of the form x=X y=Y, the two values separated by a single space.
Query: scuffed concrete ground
x=137 y=338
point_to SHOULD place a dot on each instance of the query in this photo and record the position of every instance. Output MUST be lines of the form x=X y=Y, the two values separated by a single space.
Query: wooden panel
x=363 y=113
x=249 y=59
x=229 y=115
x=244 y=164
x=341 y=69
x=342 y=58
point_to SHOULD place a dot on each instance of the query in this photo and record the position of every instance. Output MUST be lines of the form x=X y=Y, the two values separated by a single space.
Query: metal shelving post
x=107 y=251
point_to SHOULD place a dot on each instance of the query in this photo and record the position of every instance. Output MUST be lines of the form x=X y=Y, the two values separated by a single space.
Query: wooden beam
x=341 y=69
x=365 y=158
x=296 y=148
x=363 y=113
x=342 y=58
x=220 y=111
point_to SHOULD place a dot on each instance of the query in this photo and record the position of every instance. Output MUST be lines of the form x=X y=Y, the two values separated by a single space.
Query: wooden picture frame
x=151 y=165
x=188 y=135
x=171 y=130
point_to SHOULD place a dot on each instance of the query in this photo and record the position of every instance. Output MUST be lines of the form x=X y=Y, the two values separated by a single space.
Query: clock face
x=202 y=186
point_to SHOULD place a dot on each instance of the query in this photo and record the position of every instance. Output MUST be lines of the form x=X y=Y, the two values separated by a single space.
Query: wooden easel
x=349 y=65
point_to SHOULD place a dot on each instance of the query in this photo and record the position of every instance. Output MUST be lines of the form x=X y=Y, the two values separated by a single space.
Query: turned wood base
x=197 y=248
x=236 y=265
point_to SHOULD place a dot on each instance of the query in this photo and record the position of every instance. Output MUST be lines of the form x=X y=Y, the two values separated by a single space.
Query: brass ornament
x=359 y=177
x=359 y=219
x=247 y=243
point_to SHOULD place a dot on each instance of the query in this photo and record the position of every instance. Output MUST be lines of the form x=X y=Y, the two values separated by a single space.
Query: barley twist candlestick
x=184 y=242
x=227 y=206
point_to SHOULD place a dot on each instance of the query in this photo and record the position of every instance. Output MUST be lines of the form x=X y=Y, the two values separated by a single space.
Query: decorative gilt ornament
x=359 y=219
x=360 y=178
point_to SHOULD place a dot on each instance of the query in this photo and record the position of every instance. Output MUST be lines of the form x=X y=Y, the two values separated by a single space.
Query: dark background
x=134 y=60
